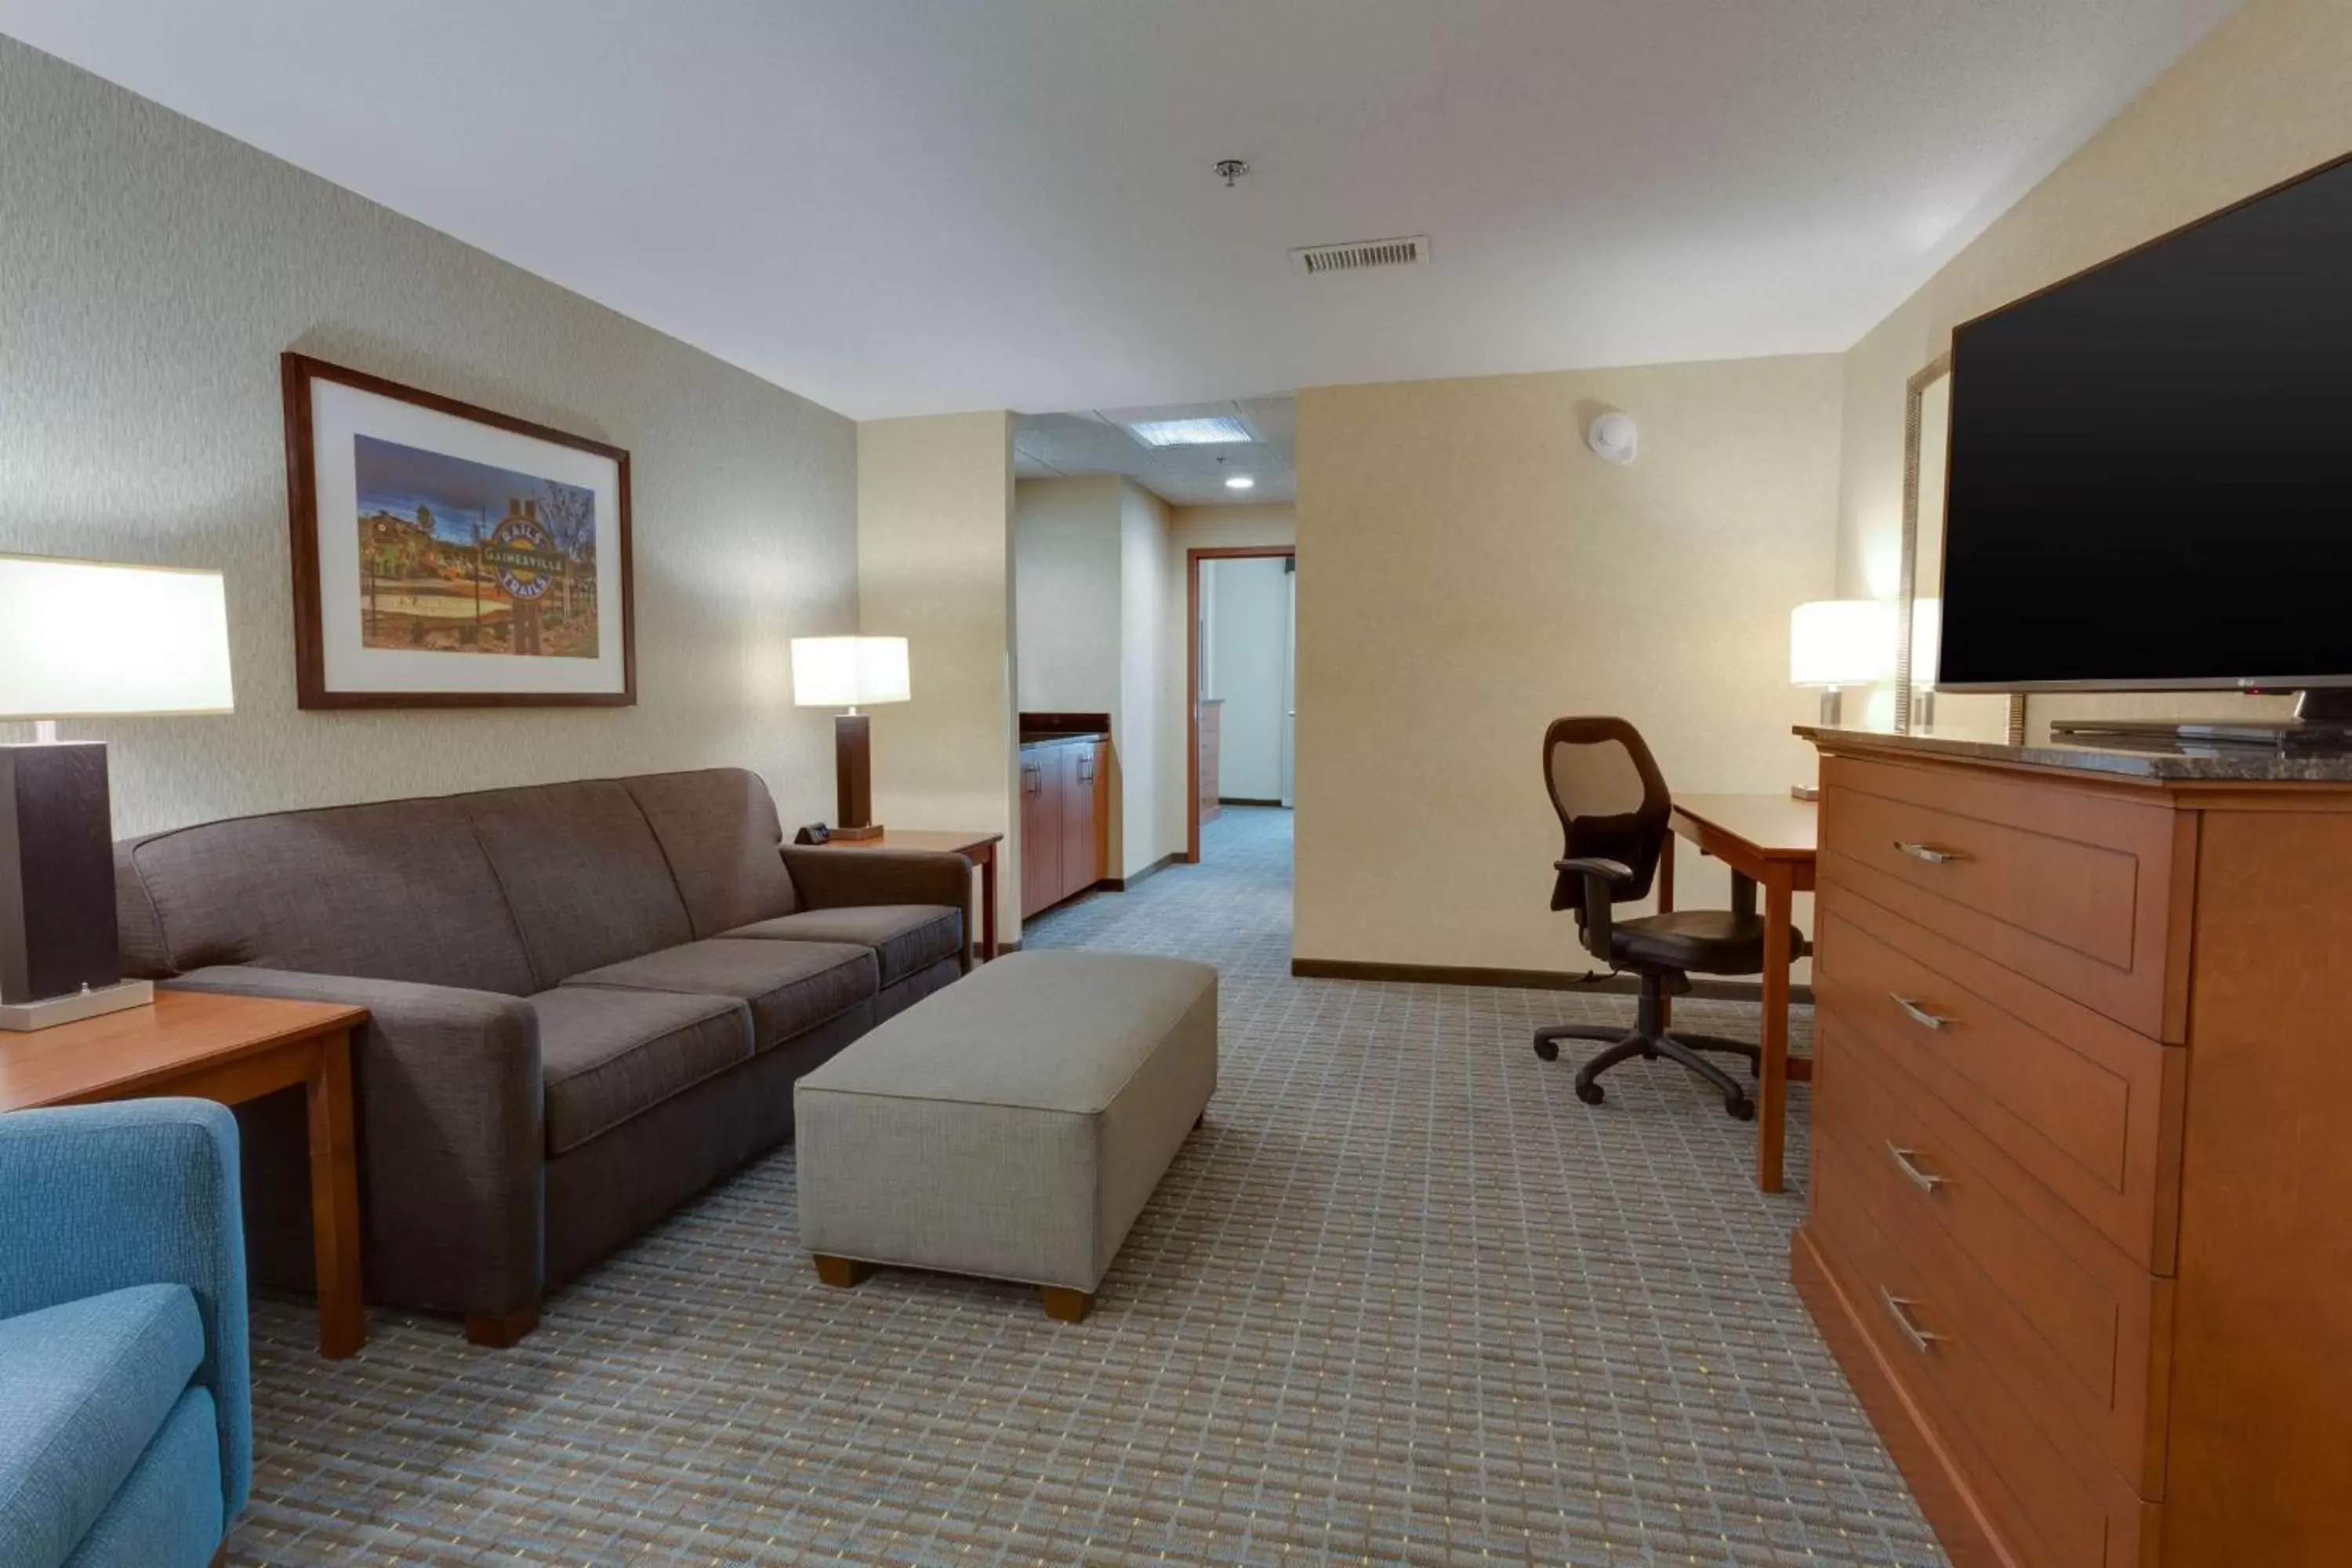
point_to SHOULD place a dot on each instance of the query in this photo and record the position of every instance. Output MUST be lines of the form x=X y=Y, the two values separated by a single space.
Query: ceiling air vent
x=1359 y=256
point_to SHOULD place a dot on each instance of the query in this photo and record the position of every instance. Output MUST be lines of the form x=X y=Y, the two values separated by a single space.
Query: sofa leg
x=841 y=1273
x=1065 y=1305
x=501 y=1330
x=220 y=1556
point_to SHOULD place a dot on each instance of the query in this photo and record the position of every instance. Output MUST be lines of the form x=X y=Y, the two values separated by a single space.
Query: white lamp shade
x=81 y=639
x=848 y=672
x=1927 y=640
x=1841 y=642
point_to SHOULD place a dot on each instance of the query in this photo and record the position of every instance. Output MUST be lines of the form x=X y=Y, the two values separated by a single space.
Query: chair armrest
x=837 y=879
x=100 y=1197
x=1601 y=879
x=451 y=1111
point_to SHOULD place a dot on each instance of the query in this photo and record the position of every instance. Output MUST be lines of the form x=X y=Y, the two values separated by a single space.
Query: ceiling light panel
x=1190 y=432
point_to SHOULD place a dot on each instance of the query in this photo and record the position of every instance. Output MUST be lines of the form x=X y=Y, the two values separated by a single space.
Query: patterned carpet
x=1403 y=1300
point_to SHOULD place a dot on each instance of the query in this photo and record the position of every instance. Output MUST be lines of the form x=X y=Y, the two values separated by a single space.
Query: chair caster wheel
x=1548 y=1050
x=1742 y=1108
x=1590 y=1093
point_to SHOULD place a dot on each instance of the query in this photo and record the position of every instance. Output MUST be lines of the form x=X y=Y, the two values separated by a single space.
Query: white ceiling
x=1097 y=442
x=902 y=207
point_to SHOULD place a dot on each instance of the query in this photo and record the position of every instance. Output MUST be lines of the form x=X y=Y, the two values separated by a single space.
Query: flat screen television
x=2149 y=473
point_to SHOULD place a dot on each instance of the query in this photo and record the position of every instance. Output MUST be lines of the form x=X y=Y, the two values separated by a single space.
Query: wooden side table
x=231 y=1050
x=978 y=847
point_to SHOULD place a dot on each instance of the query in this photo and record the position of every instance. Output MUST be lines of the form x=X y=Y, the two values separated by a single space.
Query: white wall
x=935 y=566
x=152 y=271
x=1141 y=729
x=1248 y=633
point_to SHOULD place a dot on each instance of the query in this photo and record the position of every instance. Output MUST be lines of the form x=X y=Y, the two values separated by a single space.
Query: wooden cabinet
x=2077 y=1224
x=1064 y=821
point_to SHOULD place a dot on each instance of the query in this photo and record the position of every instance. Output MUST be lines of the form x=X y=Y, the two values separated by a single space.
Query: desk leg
x=1772 y=1074
x=988 y=905
x=335 y=1201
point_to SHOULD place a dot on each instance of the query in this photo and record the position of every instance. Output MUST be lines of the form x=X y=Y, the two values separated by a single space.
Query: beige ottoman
x=1010 y=1126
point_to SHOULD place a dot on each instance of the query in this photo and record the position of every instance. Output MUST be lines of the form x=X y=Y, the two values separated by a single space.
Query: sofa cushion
x=583 y=874
x=84 y=1386
x=607 y=1054
x=400 y=890
x=792 y=987
x=170 y=1512
x=906 y=938
x=718 y=826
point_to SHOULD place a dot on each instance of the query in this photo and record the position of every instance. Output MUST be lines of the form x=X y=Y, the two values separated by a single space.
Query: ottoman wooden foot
x=841 y=1273
x=1065 y=1305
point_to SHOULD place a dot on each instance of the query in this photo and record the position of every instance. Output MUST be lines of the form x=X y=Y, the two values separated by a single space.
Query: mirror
x=1919 y=709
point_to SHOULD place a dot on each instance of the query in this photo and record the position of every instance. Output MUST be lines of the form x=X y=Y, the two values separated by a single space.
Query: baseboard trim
x=1122 y=884
x=1703 y=986
x=1245 y=800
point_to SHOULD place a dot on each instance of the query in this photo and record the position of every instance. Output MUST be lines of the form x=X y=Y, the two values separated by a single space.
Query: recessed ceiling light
x=1241 y=482
x=1190 y=432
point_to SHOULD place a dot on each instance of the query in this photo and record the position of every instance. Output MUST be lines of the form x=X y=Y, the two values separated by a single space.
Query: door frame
x=1192 y=559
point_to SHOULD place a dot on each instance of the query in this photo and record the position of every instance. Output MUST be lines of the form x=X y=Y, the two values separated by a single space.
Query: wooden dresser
x=2080 y=1228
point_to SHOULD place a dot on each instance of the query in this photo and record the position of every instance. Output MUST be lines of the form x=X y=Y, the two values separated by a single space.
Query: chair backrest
x=1611 y=800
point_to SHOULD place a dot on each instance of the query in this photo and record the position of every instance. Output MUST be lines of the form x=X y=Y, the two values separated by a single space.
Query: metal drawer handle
x=1918 y=1014
x=1899 y=1309
x=1933 y=855
x=1906 y=1161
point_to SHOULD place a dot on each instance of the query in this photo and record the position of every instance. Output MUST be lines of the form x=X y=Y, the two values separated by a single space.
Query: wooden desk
x=980 y=849
x=230 y=1049
x=1771 y=839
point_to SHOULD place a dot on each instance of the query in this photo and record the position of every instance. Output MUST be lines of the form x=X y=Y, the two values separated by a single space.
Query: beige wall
x=152 y=271
x=935 y=566
x=1067 y=543
x=1193 y=528
x=1467 y=571
x=2261 y=99
x=1137 y=734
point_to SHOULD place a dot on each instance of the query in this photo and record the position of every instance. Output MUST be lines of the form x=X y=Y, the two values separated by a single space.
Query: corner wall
x=152 y=270
x=935 y=566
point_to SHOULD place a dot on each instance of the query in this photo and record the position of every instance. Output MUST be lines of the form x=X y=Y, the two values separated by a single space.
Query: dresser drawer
x=2049 y=1511
x=2082 y=1333
x=2070 y=886
x=2082 y=1105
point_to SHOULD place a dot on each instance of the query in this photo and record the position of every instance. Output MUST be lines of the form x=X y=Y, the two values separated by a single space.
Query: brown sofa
x=589 y=1001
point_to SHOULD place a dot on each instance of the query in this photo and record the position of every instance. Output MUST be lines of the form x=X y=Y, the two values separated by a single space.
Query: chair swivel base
x=1624 y=1045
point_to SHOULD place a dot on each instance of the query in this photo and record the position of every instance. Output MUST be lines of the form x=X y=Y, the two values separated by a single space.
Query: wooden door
x=1080 y=868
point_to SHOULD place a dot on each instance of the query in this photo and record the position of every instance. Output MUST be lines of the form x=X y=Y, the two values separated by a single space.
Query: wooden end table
x=207 y=1046
x=978 y=847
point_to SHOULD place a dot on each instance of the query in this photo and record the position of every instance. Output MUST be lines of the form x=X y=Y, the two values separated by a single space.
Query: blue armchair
x=126 y=1416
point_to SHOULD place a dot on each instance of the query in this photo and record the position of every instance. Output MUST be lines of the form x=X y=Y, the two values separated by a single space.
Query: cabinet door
x=1041 y=832
x=1080 y=768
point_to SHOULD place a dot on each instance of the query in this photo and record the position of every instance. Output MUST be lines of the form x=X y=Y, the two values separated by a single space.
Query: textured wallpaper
x=151 y=273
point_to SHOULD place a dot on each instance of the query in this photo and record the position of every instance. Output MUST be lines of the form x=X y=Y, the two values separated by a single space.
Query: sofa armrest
x=452 y=1136
x=100 y=1197
x=837 y=879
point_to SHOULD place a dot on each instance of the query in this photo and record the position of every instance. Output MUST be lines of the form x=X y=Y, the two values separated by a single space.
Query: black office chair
x=1613 y=806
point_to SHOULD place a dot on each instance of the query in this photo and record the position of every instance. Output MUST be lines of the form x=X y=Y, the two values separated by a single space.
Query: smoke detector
x=1361 y=255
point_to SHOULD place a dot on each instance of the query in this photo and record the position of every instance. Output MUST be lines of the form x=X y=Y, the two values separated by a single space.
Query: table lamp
x=852 y=673
x=81 y=639
x=1837 y=643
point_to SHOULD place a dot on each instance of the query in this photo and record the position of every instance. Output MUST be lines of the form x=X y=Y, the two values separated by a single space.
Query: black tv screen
x=2150 y=465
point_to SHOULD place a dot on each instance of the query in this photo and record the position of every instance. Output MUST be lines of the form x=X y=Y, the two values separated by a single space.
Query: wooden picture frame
x=424 y=601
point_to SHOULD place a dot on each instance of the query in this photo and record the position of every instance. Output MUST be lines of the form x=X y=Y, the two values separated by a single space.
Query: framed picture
x=448 y=556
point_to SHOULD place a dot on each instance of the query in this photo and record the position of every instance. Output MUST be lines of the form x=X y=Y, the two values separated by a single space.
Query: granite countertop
x=2234 y=764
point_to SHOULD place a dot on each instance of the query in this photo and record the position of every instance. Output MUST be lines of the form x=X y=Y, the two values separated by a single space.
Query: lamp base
x=25 y=1017
x=864 y=830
